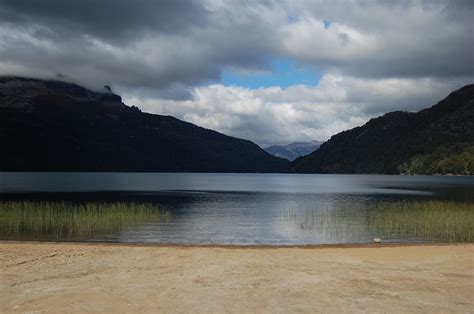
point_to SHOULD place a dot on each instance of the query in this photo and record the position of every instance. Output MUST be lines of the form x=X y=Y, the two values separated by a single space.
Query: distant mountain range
x=58 y=126
x=437 y=140
x=293 y=150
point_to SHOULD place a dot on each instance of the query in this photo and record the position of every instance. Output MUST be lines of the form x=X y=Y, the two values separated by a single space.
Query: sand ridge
x=81 y=277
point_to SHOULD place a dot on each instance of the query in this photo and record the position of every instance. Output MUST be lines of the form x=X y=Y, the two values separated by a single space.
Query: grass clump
x=64 y=220
x=436 y=220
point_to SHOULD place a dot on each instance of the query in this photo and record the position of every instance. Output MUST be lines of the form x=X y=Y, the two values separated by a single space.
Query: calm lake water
x=242 y=208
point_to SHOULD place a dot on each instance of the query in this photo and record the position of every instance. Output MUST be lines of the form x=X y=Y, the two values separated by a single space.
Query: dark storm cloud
x=132 y=44
x=161 y=44
x=113 y=20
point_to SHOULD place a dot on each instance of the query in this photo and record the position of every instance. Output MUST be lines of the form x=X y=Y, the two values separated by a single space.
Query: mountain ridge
x=435 y=140
x=48 y=125
x=293 y=150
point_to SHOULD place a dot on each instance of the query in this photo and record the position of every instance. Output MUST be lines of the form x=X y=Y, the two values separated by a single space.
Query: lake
x=244 y=209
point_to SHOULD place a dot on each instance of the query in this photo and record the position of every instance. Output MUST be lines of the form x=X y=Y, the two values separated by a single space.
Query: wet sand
x=79 y=277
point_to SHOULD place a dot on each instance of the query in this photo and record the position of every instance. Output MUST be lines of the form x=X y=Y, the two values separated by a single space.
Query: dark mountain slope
x=57 y=126
x=439 y=139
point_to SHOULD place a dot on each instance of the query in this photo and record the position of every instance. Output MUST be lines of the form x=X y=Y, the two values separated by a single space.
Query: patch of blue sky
x=292 y=18
x=282 y=73
x=327 y=23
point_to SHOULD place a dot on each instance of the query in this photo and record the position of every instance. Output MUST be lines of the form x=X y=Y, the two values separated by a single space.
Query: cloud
x=273 y=115
x=385 y=38
x=168 y=57
x=160 y=43
x=145 y=44
x=107 y=20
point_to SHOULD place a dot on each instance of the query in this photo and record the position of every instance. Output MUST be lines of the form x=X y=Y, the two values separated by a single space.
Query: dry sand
x=65 y=277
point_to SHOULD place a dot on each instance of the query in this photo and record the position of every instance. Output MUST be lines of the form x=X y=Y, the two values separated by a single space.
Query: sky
x=272 y=72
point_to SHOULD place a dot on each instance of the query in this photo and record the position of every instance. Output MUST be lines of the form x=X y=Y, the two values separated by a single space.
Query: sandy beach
x=78 y=277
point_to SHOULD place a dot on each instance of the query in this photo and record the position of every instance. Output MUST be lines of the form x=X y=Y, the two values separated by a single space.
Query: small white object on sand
x=377 y=240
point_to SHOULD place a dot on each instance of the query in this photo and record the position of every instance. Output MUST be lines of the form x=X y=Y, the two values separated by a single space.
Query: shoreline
x=243 y=246
x=116 y=277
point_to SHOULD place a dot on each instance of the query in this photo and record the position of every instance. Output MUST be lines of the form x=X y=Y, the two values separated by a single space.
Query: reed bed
x=435 y=220
x=65 y=220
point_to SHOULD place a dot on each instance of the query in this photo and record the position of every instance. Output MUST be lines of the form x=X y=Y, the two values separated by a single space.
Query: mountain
x=436 y=140
x=59 y=126
x=293 y=150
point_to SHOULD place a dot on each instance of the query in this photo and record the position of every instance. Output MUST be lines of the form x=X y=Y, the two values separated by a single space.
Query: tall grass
x=63 y=220
x=436 y=220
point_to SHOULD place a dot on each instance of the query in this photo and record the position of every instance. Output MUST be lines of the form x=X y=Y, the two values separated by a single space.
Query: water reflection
x=333 y=224
x=262 y=218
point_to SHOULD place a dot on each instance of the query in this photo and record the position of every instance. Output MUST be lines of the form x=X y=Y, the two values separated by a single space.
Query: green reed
x=436 y=220
x=62 y=220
